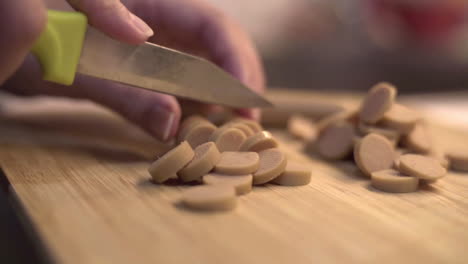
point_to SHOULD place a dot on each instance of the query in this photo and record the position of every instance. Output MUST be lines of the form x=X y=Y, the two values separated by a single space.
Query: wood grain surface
x=78 y=175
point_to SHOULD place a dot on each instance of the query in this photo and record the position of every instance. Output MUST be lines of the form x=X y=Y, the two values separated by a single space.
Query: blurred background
x=325 y=45
x=419 y=45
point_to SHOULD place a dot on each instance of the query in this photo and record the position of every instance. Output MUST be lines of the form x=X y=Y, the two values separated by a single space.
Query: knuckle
x=149 y=108
x=148 y=112
x=217 y=15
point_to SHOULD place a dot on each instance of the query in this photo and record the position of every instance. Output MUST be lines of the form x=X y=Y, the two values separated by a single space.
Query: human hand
x=21 y=23
x=188 y=25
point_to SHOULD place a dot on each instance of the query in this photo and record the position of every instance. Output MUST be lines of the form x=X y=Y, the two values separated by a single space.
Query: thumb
x=114 y=19
x=21 y=23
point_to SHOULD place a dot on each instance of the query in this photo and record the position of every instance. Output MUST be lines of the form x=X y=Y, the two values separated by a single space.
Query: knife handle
x=58 y=48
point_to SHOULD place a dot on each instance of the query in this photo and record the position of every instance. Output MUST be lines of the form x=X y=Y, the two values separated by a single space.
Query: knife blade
x=163 y=70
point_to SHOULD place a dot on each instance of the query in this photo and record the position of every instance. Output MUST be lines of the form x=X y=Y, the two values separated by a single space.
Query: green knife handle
x=58 y=48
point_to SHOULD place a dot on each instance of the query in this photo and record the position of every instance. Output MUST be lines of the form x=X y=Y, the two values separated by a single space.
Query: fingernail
x=251 y=113
x=141 y=26
x=162 y=124
x=168 y=126
x=256 y=114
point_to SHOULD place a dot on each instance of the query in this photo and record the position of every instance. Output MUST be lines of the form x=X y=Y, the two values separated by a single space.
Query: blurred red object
x=430 y=21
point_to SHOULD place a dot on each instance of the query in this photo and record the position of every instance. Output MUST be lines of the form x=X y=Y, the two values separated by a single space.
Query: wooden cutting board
x=77 y=175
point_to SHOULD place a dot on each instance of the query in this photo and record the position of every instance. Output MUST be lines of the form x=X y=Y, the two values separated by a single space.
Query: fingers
x=234 y=51
x=158 y=114
x=201 y=29
x=190 y=107
x=251 y=113
x=230 y=46
x=114 y=19
x=21 y=23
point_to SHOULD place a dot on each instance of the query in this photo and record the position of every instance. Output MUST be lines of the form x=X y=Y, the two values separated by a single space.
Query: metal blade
x=163 y=70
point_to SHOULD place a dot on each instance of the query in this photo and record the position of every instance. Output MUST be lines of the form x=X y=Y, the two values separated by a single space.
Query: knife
x=68 y=46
